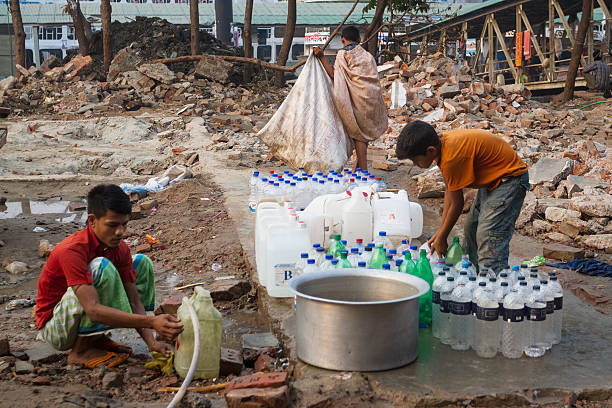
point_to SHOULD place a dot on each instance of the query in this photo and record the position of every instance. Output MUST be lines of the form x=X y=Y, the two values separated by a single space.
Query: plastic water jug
x=267 y=213
x=210 y=337
x=324 y=217
x=396 y=215
x=357 y=217
x=282 y=247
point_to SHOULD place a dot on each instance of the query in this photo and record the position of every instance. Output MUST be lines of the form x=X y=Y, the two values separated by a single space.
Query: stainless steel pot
x=357 y=320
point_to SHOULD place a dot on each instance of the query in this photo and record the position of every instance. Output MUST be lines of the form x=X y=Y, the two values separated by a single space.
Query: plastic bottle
x=391 y=262
x=519 y=279
x=336 y=246
x=454 y=253
x=403 y=247
x=398 y=264
x=524 y=271
x=463 y=278
x=549 y=295
x=535 y=312
x=327 y=263
x=486 y=326
x=513 y=326
x=311 y=266
x=381 y=186
x=253 y=183
x=211 y=323
x=533 y=279
x=435 y=300
x=557 y=290
x=320 y=256
x=461 y=322
x=343 y=262
x=414 y=252
x=366 y=255
x=382 y=239
x=301 y=263
x=359 y=245
x=514 y=275
x=446 y=291
x=439 y=266
x=499 y=293
x=378 y=258
x=354 y=257
x=423 y=271
x=393 y=253
x=312 y=253
x=408 y=266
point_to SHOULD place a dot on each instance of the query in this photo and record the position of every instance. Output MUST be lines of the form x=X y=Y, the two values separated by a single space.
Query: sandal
x=107 y=344
x=113 y=360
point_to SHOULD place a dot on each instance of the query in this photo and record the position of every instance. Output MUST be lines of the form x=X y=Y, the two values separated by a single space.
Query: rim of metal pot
x=374 y=273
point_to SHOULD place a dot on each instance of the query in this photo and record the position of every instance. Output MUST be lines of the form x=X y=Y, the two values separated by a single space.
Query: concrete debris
x=112 y=379
x=19 y=304
x=258 y=397
x=5 y=348
x=44 y=248
x=253 y=345
x=230 y=363
x=17 y=267
x=548 y=170
x=430 y=183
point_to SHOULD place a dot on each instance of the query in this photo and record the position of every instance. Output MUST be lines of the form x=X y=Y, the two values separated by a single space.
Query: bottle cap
x=320 y=249
x=543 y=282
x=515 y=267
x=361 y=264
x=404 y=241
x=368 y=248
x=413 y=247
x=354 y=250
x=386 y=267
x=337 y=237
x=493 y=280
x=310 y=261
x=536 y=287
x=441 y=273
x=359 y=241
x=504 y=283
x=382 y=234
x=316 y=245
x=304 y=255
x=503 y=275
x=344 y=252
x=255 y=174
x=482 y=284
x=487 y=265
x=335 y=261
x=399 y=262
x=450 y=278
x=534 y=270
x=553 y=278
x=472 y=279
x=482 y=274
x=329 y=257
x=371 y=245
x=523 y=266
x=463 y=273
x=521 y=278
x=393 y=251
x=465 y=265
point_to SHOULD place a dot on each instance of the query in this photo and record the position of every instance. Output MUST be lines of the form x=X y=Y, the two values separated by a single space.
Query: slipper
x=113 y=360
x=107 y=344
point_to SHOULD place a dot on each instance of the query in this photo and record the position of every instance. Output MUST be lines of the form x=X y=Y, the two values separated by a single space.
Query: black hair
x=105 y=197
x=414 y=140
x=350 y=33
x=597 y=55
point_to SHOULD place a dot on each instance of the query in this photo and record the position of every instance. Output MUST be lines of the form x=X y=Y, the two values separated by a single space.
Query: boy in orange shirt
x=472 y=159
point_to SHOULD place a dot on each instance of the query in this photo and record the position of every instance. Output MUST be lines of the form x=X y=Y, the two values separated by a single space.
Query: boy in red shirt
x=91 y=284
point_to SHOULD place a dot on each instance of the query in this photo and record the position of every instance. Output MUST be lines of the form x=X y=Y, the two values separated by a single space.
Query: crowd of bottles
x=301 y=188
x=514 y=312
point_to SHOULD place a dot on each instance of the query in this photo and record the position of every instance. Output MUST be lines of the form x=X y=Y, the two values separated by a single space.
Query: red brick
x=81 y=65
x=263 y=380
x=169 y=306
x=258 y=398
x=142 y=248
x=265 y=363
x=231 y=362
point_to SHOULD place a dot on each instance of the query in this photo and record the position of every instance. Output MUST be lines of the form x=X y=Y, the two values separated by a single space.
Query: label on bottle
x=550 y=307
x=461 y=308
x=283 y=273
x=535 y=314
x=488 y=314
x=445 y=306
x=558 y=302
x=435 y=297
x=514 y=315
x=253 y=206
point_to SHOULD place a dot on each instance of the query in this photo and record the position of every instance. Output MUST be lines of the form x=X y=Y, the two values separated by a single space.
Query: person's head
x=349 y=34
x=418 y=142
x=108 y=212
x=597 y=55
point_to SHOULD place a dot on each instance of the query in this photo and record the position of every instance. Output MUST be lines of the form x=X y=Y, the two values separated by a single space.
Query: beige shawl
x=358 y=95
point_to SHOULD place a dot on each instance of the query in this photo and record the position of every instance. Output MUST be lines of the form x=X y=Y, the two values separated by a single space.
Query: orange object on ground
x=113 y=360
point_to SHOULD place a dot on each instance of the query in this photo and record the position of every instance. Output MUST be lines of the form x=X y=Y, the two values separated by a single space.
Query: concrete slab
x=581 y=361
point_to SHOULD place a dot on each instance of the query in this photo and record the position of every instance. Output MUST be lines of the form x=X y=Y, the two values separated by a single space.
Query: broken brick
x=231 y=362
x=169 y=306
x=258 y=397
x=260 y=380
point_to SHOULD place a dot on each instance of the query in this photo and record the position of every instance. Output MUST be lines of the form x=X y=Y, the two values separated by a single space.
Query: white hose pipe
x=196 y=355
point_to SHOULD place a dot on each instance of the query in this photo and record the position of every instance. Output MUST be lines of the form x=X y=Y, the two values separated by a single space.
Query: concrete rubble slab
x=550 y=170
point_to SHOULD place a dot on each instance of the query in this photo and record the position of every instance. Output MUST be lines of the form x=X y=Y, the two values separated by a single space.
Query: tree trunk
x=107 y=47
x=372 y=45
x=80 y=23
x=283 y=55
x=194 y=15
x=223 y=20
x=246 y=38
x=20 y=53
x=572 y=71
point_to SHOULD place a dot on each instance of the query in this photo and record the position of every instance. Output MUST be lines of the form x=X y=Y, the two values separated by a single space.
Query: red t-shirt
x=67 y=266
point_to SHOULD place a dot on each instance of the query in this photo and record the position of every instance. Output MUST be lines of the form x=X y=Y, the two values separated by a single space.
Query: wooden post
x=502 y=41
x=568 y=30
x=518 y=48
x=464 y=37
x=608 y=19
x=491 y=50
x=551 y=39
x=479 y=44
x=423 y=46
x=534 y=41
x=590 y=37
x=442 y=44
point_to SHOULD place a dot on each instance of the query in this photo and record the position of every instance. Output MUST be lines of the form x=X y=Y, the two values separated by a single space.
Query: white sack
x=306 y=131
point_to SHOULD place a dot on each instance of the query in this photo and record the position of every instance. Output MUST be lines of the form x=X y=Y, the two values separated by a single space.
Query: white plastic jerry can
x=396 y=215
x=357 y=217
x=267 y=212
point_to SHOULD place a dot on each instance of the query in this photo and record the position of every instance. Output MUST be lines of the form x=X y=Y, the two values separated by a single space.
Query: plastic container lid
x=337 y=237
x=329 y=257
x=371 y=245
x=523 y=266
x=310 y=261
x=369 y=248
x=354 y=250
x=503 y=275
x=359 y=240
x=361 y=264
x=523 y=283
x=319 y=249
x=465 y=264
x=382 y=234
x=536 y=287
x=255 y=174
x=304 y=255
x=450 y=278
x=482 y=284
x=386 y=267
x=393 y=251
x=413 y=247
x=521 y=278
x=398 y=262
x=316 y=245
x=441 y=273
x=504 y=283
x=472 y=279
x=515 y=267
x=335 y=261
x=446 y=268
x=463 y=273
x=493 y=280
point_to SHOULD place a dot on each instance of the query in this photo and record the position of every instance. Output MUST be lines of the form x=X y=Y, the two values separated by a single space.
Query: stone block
x=23 y=367
x=569 y=230
x=594 y=206
x=541 y=226
x=384 y=165
x=253 y=345
x=127 y=59
x=449 y=91
x=113 y=379
x=169 y=306
x=229 y=289
x=260 y=380
x=82 y=65
x=559 y=237
x=550 y=170
x=8 y=83
x=563 y=253
x=50 y=63
x=544 y=203
x=43 y=353
x=584 y=182
x=555 y=214
x=528 y=211
x=159 y=72
x=231 y=362
x=214 y=69
x=258 y=397
x=600 y=241
x=17 y=267
x=4 y=345
x=44 y=248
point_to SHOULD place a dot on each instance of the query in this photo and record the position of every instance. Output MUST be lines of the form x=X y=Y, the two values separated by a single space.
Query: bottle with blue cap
x=327 y=264
x=301 y=263
x=253 y=199
x=367 y=253
x=382 y=239
x=386 y=267
x=354 y=257
x=361 y=265
x=311 y=266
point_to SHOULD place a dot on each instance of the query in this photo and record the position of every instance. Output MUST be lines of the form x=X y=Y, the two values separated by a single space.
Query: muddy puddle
x=63 y=211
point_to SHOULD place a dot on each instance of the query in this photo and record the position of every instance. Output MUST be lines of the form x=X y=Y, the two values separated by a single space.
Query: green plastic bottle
x=336 y=247
x=454 y=253
x=379 y=258
x=408 y=266
x=423 y=271
x=343 y=262
x=211 y=324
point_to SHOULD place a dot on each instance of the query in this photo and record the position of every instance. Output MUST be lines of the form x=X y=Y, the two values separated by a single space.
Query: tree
x=223 y=20
x=572 y=71
x=107 y=47
x=283 y=55
x=82 y=27
x=246 y=38
x=20 y=54
x=194 y=16
x=380 y=7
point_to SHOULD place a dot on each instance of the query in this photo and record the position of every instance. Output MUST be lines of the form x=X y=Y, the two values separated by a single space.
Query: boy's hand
x=318 y=52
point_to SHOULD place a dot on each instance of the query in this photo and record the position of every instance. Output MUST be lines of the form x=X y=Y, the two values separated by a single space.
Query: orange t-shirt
x=477 y=158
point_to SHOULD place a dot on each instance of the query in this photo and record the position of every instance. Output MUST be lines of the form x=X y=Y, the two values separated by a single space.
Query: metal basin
x=357 y=320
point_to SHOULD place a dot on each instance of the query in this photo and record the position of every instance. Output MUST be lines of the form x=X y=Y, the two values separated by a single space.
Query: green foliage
x=415 y=6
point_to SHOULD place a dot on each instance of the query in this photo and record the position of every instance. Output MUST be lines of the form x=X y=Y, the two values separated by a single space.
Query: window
x=49 y=33
x=263 y=34
x=71 y=33
x=28 y=32
x=297 y=51
x=264 y=52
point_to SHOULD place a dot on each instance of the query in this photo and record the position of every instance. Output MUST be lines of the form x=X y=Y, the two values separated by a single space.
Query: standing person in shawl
x=357 y=92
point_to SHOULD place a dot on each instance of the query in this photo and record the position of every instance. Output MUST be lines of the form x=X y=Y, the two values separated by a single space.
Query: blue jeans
x=490 y=223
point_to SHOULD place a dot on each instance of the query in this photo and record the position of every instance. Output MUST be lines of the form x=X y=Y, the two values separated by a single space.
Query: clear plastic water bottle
x=327 y=264
x=535 y=312
x=500 y=292
x=253 y=199
x=354 y=257
x=492 y=284
x=381 y=186
x=533 y=279
x=461 y=322
x=519 y=279
x=557 y=289
x=320 y=256
x=367 y=254
x=549 y=295
x=525 y=291
x=514 y=274
x=513 y=326
x=435 y=300
x=414 y=252
x=301 y=263
x=391 y=262
x=359 y=245
x=403 y=247
x=463 y=278
x=393 y=252
x=482 y=277
x=312 y=253
x=524 y=270
x=382 y=239
x=439 y=266
x=310 y=266
x=446 y=291
x=486 y=326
